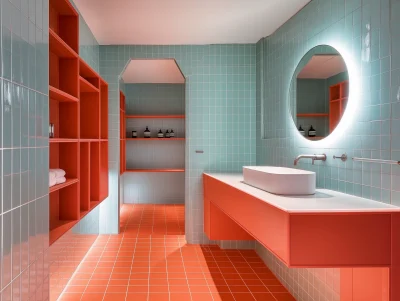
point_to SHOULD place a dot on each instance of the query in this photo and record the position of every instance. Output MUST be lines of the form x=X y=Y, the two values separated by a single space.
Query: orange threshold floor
x=151 y=261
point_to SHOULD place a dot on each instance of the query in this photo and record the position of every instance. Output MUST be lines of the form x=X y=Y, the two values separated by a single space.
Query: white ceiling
x=323 y=67
x=153 y=72
x=179 y=22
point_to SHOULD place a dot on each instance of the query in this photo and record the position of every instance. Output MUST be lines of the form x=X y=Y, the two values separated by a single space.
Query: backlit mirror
x=319 y=92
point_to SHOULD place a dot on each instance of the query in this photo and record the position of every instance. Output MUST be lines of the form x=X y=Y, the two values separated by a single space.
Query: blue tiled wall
x=368 y=32
x=220 y=110
x=24 y=150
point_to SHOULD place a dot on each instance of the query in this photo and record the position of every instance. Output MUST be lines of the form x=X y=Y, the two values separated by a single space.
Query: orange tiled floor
x=150 y=261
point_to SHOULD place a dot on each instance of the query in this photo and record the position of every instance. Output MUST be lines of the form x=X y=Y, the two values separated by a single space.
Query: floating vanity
x=327 y=229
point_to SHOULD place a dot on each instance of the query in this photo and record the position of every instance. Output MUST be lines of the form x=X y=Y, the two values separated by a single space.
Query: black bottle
x=160 y=134
x=312 y=132
x=147 y=133
x=302 y=132
x=172 y=134
x=167 y=135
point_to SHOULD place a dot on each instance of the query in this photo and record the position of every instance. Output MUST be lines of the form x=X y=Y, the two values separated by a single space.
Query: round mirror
x=319 y=92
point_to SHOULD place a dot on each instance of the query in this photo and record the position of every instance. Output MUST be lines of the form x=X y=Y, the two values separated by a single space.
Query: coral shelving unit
x=338 y=96
x=78 y=107
x=122 y=131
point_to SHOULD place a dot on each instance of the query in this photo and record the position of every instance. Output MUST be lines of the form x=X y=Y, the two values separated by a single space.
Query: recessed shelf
x=155 y=170
x=61 y=96
x=156 y=139
x=85 y=86
x=62 y=140
x=61 y=186
x=155 y=116
x=313 y=115
x=59 y=47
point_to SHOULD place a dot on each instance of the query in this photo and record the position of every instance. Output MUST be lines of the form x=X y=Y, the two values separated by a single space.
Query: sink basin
x=280 y=180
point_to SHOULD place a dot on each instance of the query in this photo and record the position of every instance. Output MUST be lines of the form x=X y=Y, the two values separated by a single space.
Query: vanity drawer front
x=352 y=239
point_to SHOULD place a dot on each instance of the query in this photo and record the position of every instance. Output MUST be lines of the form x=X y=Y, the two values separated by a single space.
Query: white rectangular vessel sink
x=280 y=180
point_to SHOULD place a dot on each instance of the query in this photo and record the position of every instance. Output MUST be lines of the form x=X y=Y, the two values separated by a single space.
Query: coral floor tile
x=151 y=261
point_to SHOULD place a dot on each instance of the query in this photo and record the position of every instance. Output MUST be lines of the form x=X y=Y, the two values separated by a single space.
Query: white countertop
x=323 y=200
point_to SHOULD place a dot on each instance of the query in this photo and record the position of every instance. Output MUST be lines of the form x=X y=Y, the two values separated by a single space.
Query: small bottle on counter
x=160 y=134
x=147 y=133
x=134 y=134
x=301 y=131
x=172 y=134
x=312 y=132
x=167 y=134
x=51 y=130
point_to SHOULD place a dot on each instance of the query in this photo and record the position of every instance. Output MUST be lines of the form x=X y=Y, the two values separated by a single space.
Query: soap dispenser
x=147 y=133
x=312 y=132
x=167 y=134
x=160 y=134
x=301 y=131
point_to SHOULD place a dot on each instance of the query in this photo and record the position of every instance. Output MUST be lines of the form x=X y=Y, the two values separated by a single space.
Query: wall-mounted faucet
x=312 y=157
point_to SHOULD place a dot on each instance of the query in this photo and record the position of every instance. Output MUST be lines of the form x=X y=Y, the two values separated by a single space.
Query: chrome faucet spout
x=312 y=157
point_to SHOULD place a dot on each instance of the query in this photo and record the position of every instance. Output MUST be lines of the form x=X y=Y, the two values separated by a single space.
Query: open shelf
x=313 y=115
x=62 y=96
x=62 y=140
x=156 y=139
x=78 y=108
x=84 y=177
x=338 y=96
x=155 y=170
x=61 y=186
x=86 y=86
x=64 y=116
x=89 y=104
x=122 y=130
x=64 y=22
x=59 y=47
x=155 y=116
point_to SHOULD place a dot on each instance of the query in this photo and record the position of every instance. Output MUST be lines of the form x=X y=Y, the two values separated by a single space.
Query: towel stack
x=56 y=176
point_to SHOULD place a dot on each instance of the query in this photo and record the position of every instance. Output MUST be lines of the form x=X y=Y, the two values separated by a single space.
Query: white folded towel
x=58 y=172
x=52 y=182
x=61 y=180
x=52 y=175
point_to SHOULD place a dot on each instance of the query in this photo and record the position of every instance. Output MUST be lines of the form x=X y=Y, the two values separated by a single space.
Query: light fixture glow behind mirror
x=324 y=92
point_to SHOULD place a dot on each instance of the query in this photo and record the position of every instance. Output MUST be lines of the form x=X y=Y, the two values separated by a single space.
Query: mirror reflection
x=319 y=92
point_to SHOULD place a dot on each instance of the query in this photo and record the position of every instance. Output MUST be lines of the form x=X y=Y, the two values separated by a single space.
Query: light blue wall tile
x=220 y=101
x=24 y=73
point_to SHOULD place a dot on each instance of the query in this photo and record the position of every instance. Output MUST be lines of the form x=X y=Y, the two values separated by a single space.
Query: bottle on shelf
x=160 y=134
x=167 y=134
x=51 y=130
x=134 y=134
x=172 y=134
x=301 y=131
x=312 y=132
x=147 y=133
